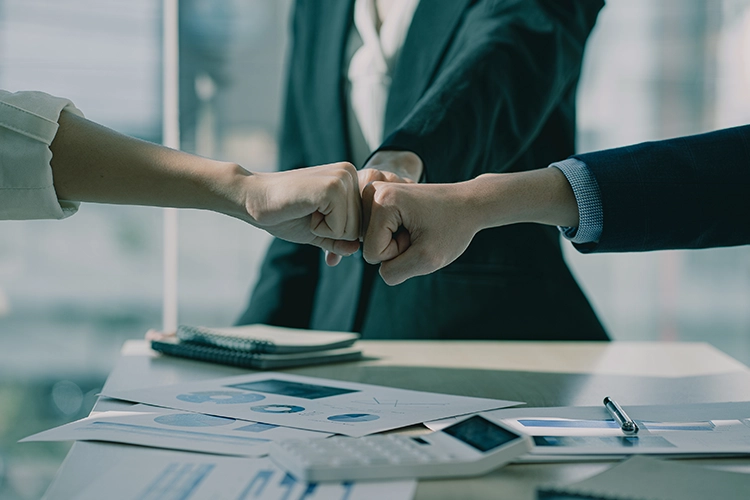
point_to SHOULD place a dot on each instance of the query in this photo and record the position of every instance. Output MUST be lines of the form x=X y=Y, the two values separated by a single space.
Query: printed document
x=644 y=478
x=699 y=429
x=178 y=430
x=149 y=474
x=309 y=403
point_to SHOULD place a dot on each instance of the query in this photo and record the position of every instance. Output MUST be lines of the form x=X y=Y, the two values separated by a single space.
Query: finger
x=345 y=247
x=332 y=259
x=391 y=177
x=368 y=192
x=379 y=242
x=403 y=242
x=365 y=177
x=413 y=262
x=354 y=208
x=339 y=247
x=333 y=207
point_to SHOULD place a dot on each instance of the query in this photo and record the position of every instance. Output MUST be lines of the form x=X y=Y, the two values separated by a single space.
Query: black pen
x=626 y=423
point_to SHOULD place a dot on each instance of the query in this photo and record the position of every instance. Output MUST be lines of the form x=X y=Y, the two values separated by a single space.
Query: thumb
x=384 y=238
x=415 y=261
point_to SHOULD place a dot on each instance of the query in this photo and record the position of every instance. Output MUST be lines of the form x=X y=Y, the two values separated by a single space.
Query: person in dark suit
x=475 y=86
x=683 y=193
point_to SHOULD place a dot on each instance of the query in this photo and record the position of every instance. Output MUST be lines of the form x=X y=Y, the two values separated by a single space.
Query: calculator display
x=480 y=433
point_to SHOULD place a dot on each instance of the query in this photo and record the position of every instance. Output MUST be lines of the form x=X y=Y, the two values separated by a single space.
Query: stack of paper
x=589 y=432
x=240 y=416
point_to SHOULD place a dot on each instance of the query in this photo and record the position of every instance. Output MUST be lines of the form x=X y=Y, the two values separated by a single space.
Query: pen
x=626 y=423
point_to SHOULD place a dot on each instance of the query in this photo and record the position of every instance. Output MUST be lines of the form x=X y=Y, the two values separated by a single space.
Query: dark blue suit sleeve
x=689 y=192
x=509 y=70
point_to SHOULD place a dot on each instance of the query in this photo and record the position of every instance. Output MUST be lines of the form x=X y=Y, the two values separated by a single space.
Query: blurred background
x=72 y=291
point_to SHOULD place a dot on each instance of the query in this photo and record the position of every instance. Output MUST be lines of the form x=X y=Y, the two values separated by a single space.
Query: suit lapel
x=326 y=94
x=430 y=31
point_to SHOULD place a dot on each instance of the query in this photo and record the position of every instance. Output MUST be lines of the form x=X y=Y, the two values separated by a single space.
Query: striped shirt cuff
x=589 y=199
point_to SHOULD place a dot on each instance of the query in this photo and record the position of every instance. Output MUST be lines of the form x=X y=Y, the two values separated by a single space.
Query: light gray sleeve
x=28 y=125
x=589 y=199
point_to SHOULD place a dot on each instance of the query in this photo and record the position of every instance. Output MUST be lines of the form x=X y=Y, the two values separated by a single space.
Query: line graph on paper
x=396 y=403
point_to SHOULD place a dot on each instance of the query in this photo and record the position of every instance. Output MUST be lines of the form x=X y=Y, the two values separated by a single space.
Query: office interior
x=72 y=291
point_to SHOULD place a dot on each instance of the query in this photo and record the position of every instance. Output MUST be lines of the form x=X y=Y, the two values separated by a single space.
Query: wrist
x=539 y=196
x=470 y=203
x=231 y=189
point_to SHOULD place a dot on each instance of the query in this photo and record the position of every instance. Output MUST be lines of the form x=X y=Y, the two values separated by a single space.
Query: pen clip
x=627 y=424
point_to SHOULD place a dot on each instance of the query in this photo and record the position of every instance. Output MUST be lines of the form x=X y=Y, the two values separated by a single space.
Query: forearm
x=539 y=196
x=96 y=164
x=516 y=66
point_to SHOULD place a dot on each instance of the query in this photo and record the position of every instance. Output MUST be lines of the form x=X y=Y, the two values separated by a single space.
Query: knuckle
x=434 y=262
x=389 y=278
x=385 y=194
x=348 y=168
x=336 y=184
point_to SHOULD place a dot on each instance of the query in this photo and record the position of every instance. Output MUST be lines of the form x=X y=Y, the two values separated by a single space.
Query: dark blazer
x=480 y=86
x=689 y=192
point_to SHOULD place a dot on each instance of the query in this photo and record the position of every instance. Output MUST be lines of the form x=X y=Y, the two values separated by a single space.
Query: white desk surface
x=541 y=373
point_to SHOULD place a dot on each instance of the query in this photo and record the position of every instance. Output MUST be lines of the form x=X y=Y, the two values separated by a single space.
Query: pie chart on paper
x=353 y=417
x=278 y=409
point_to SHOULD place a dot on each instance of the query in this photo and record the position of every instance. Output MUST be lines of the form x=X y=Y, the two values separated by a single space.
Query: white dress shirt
x=375 y=42
x=28 y=124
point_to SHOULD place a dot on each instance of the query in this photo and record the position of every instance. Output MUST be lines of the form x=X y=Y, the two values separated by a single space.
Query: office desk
x=540 y=373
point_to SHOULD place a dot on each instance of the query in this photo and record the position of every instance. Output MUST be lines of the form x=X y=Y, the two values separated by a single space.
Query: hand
x=365 y=177
x=317 y=205
x=416 y=229
x=405 y=164
x=419 y=228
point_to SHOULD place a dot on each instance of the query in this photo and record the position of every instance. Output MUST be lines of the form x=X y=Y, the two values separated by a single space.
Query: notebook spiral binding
x=206 y=337
x=243 y=359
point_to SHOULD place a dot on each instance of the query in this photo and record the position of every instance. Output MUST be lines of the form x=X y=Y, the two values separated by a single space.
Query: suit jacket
x=480 y=86
x=689 y=192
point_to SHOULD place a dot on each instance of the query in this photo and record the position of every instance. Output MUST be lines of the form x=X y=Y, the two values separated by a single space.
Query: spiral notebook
x=259 y=347
x=266 y=338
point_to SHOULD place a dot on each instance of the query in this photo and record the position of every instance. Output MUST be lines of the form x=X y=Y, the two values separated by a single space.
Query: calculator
x=471 y=447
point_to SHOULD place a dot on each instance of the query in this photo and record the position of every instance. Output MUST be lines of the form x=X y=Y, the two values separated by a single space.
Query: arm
x=504 y=84
x=690 y=192
x=509 y=67
x=416 y=229
x=93 y=163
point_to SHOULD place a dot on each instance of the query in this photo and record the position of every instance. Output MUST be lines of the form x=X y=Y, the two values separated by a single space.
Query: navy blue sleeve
x=688 y=192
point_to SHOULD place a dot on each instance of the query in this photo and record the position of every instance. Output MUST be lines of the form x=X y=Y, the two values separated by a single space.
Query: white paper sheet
x=173 y=429
x=149 y=474
x=690 y=429
x=310 y=403
x=645 y=478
